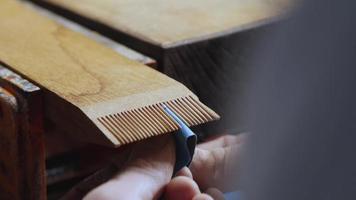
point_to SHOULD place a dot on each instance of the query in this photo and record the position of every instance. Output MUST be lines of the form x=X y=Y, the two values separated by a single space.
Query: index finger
x=147 y=162
x=148 y=170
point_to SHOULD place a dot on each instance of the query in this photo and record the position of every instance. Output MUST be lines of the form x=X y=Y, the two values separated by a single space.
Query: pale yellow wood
x=81 y=75
x=116 y=46
x=165 y=22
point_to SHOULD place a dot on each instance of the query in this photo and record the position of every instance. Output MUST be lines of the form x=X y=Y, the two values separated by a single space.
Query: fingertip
x=185 y=172
x=202 y=197
x=215 y=193
x=181 y=188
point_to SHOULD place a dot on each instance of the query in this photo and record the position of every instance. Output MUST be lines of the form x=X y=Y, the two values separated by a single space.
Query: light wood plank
x=116 y=46
x=167 y=23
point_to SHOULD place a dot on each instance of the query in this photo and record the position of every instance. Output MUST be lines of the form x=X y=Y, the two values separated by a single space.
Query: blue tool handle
x=185 y=140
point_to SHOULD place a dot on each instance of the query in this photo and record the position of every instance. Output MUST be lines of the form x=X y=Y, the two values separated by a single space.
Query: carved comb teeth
x=148 y=121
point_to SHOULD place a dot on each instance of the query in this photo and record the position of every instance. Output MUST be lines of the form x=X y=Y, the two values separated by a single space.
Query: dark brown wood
x=23 y=174
x=216 y=70
x=22 y=156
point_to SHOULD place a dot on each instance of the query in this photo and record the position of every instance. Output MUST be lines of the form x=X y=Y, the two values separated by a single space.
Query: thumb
x=148 y=170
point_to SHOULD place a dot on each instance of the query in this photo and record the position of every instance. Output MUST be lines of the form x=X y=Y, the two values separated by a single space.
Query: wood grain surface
x=167 y=23
x=116 y=46
x=84 y=81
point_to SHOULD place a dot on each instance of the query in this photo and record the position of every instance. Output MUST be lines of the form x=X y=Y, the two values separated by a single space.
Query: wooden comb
x=204 y=44
x=90 y=91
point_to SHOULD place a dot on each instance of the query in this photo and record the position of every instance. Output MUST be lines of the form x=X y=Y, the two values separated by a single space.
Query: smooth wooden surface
x=167 y=23
x=87 y=85
x=116 y=46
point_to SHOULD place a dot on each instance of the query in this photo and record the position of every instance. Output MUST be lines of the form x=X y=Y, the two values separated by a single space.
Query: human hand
x=148 y=169
x=214 y=170
x=147 y=173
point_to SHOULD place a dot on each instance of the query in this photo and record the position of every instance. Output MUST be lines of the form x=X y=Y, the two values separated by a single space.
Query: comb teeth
x=148 y=121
